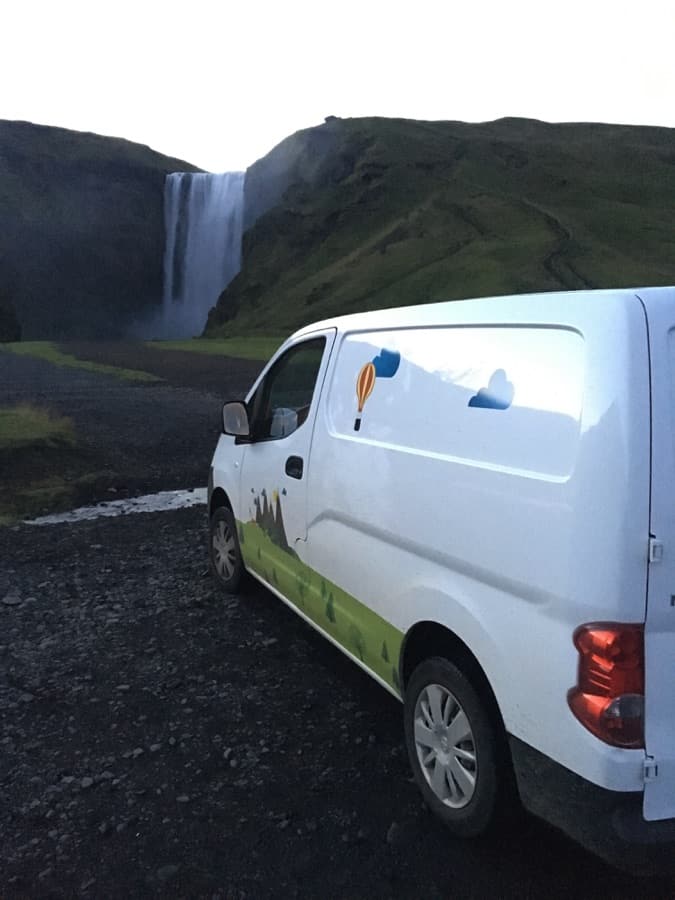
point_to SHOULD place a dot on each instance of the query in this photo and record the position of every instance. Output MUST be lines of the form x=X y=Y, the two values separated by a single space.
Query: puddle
x=148 y=503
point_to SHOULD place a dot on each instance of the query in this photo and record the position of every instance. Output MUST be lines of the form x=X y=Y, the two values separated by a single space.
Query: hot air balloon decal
x=364 y=388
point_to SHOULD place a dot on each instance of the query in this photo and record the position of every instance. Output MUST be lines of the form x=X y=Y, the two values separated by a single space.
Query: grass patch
x=34 y=498
x=47 y=351
x=42 y=468
x=51 y=494
x=26 y=426
x=259 y=348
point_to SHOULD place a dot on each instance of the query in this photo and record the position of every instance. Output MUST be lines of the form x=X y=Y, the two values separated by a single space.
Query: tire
x=225 y=558
x=463 y=770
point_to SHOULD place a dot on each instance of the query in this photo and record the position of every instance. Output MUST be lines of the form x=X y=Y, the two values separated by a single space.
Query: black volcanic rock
x=10 y=330
x=81 y=230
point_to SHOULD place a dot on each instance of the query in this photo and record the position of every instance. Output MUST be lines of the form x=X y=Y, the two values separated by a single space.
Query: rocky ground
x=132 y=437
x=158 y=738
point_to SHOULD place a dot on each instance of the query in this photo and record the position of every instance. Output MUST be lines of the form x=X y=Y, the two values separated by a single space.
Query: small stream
x=159 y=502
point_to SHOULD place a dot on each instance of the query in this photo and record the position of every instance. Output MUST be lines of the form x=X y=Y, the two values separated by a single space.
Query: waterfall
x=203 y=216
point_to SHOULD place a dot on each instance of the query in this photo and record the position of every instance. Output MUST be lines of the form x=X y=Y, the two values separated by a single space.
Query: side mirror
x=235 y=419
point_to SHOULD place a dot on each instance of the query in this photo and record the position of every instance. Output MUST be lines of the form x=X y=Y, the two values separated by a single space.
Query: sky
x=219 y=84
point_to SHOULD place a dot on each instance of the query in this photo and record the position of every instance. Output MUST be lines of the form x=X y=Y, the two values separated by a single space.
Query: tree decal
x=278 y=530
x=356 y=640
x=385 y=653
x=267 y=519
x=302 y=581
x=395 y=679
x=330 y=609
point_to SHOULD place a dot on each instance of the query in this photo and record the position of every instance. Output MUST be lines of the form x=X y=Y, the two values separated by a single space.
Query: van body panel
x=226 y=469
x=508 y=556
x=264 y=466
x=252 y=474
x=659 y=795
x=273 y=482
x=229 y=452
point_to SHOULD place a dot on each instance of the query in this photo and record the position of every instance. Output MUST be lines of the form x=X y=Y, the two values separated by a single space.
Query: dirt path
x=558 y=263
x=158 y=739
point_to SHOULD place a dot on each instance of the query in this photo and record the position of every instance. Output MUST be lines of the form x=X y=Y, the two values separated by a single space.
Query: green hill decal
x=367 y=636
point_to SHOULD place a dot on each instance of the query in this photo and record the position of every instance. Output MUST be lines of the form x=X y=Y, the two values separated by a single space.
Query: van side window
x=281 y=402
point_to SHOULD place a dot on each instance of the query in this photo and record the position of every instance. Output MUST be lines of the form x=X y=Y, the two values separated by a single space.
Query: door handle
x=294 y=466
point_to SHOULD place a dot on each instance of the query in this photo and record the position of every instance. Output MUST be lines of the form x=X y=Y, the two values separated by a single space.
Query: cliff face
x=81 y=230
x=10 y=330
x=366 y=213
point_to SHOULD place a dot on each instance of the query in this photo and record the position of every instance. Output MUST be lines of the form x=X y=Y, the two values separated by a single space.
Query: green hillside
x=368 y=213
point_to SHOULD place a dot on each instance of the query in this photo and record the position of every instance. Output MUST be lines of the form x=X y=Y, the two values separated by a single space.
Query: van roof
x=492 y=309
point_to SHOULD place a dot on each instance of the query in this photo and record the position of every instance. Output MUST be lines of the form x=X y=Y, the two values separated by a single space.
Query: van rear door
x=659 y=795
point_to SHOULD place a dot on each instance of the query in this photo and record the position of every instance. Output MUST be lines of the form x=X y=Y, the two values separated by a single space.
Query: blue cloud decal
x=386 y=363
x=497 y=395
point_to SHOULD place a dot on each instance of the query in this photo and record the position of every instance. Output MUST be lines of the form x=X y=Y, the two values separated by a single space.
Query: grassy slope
x=47 y=351
x=398 y=212
x=256 y=348
x=25 y=426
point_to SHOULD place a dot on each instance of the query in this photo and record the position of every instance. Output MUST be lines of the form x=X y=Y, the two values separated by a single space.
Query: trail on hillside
x=558 y=262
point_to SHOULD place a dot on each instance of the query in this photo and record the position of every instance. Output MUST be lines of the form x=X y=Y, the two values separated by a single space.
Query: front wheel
x=455 y=746
x=224 y=552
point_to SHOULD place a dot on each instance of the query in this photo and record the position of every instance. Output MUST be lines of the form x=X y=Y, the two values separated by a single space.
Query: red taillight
x=609 y=696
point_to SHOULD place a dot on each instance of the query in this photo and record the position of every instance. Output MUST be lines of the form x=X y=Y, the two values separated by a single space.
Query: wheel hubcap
x=224 y=550
x=445 y=746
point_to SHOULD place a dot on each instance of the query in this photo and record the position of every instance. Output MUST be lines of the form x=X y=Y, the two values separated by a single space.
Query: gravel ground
x=219 y=375
x=160 y=739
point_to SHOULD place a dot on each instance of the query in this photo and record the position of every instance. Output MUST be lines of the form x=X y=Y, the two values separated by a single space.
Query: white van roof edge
x=435 y=313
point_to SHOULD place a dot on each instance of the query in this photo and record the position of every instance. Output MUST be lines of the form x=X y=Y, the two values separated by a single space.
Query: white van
x=476 y=502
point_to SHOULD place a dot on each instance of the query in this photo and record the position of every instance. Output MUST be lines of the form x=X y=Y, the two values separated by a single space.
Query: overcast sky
x=219 y=84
